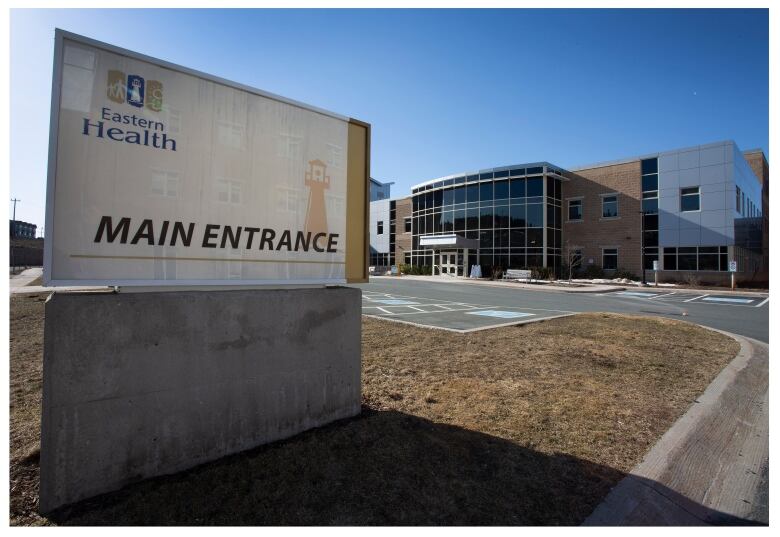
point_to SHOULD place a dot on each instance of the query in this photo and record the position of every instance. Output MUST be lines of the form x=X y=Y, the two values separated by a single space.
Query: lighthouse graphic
x=318 y=183
x=135 y=91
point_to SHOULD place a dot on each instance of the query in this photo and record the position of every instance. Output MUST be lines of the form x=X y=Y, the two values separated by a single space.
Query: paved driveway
x=464 y=306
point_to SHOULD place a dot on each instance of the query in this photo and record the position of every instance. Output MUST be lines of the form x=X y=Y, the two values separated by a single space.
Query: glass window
x=447 y=221
x=379 y=226
x=472 y=218
x=517 y=216
x=535 y=238
x=575 y=209
x=738 y=198
x=650 y=205
x=649 y=183
x=517 y=172
x=534 y=215
x=517 y=238
x=502 y=173
x=670 y=260
x=535 y=187
x=408 y=224
x=609 y=206
x=501 y=238
x=686 y=258
x=533 y=171
x=501 y=190
x=517 y=188
x=446 y=197
x=486 y=239
x=487 y=175
x=486 y=218
x=502 y=216
x=472 y=193
x=609 y=258
x=459 y=195
x=649 y=165
x=486 y=191
x=437 y=198
x=651 y=239
x=689 y=199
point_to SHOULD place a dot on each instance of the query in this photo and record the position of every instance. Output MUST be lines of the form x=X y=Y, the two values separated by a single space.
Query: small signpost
x=655 y=271
x=733 y=271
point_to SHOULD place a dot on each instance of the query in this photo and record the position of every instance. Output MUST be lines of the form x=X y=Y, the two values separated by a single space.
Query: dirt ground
x=525 y=425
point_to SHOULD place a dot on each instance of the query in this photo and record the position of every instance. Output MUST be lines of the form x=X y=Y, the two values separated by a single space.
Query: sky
x=445 y=91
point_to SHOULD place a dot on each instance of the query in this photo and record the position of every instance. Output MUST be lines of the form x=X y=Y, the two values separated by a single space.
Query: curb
x=707 y=469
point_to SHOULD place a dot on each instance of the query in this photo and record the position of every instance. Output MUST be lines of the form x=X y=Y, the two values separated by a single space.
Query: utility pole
x=15 y=200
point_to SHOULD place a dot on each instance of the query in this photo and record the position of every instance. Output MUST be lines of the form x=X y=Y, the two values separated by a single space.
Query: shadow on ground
x=381 y=468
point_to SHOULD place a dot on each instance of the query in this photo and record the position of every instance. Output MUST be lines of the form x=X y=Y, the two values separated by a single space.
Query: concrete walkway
x=586 y=288
x=25 y=277
x=711 y=467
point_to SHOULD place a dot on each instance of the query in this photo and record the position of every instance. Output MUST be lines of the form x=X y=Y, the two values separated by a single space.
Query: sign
x=732 y=266
x=655 y=264
x=160 y=175
x=394 y=270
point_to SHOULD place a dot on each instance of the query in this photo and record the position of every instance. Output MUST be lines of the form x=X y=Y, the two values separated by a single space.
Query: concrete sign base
x=137 y=385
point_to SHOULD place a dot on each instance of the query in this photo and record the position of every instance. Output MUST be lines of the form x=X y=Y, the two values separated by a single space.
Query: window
x=379 y=227
x=739 y=209
x=609 y=258
x=609 y=206
x=689 y=199
x=408 y=224
x=575 y=209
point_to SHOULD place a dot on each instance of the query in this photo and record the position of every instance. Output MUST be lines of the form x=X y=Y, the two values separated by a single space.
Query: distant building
x=22 y=230
x=687 y=212
x=379 y=191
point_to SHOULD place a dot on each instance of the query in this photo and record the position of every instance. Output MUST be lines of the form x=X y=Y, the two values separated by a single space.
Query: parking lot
x=462 y=306
x=688 y=297
x=450 y=315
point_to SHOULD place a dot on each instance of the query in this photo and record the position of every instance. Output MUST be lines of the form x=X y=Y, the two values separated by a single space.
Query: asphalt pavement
x=463 y=306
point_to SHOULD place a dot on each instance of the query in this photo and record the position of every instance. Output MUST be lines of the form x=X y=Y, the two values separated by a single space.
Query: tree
x=573 y=257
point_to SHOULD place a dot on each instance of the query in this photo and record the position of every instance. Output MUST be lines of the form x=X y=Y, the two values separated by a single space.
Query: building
x=390 y=239
x=378 y=191
x=22 y=230
x=690 y=210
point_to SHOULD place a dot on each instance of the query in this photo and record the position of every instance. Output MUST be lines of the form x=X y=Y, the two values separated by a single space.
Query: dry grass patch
x=520 y=425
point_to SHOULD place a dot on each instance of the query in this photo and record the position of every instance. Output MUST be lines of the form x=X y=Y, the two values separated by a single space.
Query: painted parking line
x=730 y=300
x=637 y=294
x=695 y=298
x=396 y=302
x=500 y=314
x=762 y=303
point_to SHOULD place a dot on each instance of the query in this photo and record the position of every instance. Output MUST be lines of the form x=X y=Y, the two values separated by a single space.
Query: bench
x=513 y=274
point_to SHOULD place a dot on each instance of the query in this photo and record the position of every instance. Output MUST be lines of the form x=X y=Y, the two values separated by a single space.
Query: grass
x=530 y=424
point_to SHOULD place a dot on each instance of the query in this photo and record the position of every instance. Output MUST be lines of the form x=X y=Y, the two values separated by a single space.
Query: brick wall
x=403 y=240
x=594 y=232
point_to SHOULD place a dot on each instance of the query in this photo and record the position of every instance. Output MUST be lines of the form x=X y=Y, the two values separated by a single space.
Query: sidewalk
x=25 y=277
x=595 y=288
x=711 y=467
x=586 y=287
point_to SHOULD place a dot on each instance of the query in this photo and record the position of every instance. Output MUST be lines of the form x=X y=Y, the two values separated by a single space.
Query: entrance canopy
x=451 y=241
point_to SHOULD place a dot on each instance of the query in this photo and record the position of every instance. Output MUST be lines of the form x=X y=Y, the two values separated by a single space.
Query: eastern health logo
x=134 y=90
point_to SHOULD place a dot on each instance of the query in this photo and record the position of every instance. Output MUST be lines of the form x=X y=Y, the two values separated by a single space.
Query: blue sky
x=445 y=90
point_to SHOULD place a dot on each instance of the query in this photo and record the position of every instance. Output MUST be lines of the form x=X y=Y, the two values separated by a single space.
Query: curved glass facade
x=514 y=212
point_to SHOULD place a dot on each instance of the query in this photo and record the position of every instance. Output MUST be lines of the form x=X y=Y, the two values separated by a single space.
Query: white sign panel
x=655 y=264
x=732 y=266
x=160 y=176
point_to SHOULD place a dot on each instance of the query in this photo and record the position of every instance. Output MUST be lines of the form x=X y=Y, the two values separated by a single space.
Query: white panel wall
x=715 y=169
x=379 y=211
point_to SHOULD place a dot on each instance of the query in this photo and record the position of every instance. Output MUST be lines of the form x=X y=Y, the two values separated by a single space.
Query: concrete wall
x=137 y=385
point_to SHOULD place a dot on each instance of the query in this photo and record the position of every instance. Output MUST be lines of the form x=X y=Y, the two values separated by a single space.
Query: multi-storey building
x=690 y=211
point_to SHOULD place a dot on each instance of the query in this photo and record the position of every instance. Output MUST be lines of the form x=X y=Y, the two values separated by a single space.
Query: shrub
x=623 y=273
x=593 y=272
x=542 y=273
x=691 y=280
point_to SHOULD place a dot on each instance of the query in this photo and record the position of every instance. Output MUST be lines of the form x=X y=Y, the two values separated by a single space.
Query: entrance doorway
x=451 y=263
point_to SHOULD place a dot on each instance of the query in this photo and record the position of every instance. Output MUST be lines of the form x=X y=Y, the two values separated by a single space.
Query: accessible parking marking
x=732 y=300
x=500 y=314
